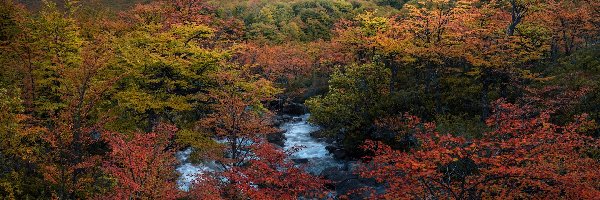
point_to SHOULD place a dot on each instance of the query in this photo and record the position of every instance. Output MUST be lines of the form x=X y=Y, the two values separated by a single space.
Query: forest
x=299 y=99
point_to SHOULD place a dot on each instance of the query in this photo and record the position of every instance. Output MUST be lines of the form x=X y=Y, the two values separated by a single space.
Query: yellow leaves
x=416 y=165
x=264 y=89
x=527 y=74
x=203 y=146
x=135 y=99
x=16 y=137
x=141 y=101
x=372 y=24
x=178 y=103
x=190 y=32
x=239 y=81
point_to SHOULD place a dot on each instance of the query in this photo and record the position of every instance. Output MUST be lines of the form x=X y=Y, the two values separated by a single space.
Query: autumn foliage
x=432 y=99
x=269 y=174
x=524 y=156
x=252 y=167
x=143 y=165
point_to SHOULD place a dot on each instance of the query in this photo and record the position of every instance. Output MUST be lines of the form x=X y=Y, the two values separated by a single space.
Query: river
x=297 y=133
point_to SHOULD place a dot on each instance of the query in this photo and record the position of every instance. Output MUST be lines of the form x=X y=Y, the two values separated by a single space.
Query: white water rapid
x=297 y=133
x=188 y=171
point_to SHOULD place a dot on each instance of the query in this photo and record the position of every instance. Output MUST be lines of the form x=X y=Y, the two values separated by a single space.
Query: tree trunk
x=485 y=102
x=394 y=76
x=437 y=93
x=517 y=12
x=152 y=120
x=504 y=81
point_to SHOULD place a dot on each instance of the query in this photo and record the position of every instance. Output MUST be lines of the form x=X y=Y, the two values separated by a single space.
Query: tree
x=579 y=70
x=239 y=117
x=518 y=10
x=64 y=76
x=19 y=150
x=279 y=22
x=143 y=166
x=165 y=74
x=20 y=52
x=500 y=57
x=525 y=156
x=286 y=65
x=252 y=167
x=73 y=130
x=358 y=94
x=433 y=28
x=268 y=174
x=426 y=36
x=571 y=23
x=188 y=11
x=273 y=176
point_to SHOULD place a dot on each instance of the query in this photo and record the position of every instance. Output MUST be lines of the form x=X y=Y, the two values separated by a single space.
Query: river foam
x=297 y=133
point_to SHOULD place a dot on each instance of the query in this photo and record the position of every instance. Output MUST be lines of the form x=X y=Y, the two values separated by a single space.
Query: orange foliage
x=238 y=117
x=269 y=174
x=277 y=62
x=143 y=166
x=525 y=156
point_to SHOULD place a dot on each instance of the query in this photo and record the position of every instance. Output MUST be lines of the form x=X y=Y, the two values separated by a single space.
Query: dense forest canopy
x=421 y=99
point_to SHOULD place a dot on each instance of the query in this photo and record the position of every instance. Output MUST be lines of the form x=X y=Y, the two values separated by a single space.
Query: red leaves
x=272 y=176
x=525 y=156
x=571 y=23
x=188 y=11
x=278 y=62
x=269 y=174
x=238 y=117
x=143 y=166
x=252 y=168
x=169 y=12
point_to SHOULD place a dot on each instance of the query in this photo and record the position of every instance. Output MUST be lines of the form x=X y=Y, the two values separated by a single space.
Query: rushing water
x=188 y=171
x=297 y=133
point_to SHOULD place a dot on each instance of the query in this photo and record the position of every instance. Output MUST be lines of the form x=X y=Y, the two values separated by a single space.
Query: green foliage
x=58 y=36
x=393 y=3
x=19 y=148
x=10 y=29
x=73 y=70
x=358 y=94
x=465 y=126
x=370 y=24
x=278 y=22
x=579 y=70
x=165 y=73
x=203 y=144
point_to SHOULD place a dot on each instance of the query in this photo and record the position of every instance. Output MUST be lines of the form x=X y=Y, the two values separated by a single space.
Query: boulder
x=279 y=120
x=348 y=183
x=359 y=188
x=349 y=187
x=277 y=138
x=336 y=174
x=339 y=154
x=296 y=119
x=300 y=160
x=330 y=148
x=318 y=134
x=351 y=165
x=294 y=109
